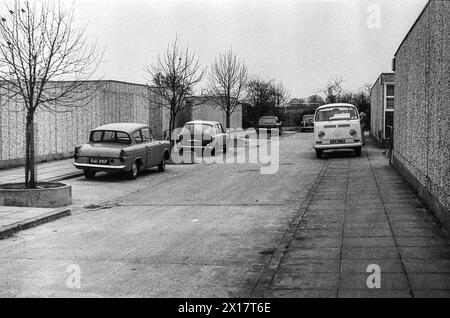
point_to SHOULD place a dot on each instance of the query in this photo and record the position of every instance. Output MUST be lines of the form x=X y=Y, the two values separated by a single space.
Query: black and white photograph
x=224 y=154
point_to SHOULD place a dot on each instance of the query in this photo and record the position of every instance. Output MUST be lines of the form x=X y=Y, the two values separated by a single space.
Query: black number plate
x=98 y=161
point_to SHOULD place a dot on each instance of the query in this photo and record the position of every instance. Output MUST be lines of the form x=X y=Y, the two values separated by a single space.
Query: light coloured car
x=126 y=147
x=337 y=126
x=201 y=135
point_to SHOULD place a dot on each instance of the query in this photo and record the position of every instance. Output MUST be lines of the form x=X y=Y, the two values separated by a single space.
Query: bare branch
x=226 y=82
x=174 y=76
x=45 y=62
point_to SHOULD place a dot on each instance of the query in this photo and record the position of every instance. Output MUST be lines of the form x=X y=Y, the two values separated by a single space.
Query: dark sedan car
x=269 y=122
x=307 y=123
x=126 y=147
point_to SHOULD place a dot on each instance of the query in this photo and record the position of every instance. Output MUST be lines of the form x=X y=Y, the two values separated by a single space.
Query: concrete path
x=14 y=219
x=363 y=213
x=46 y=171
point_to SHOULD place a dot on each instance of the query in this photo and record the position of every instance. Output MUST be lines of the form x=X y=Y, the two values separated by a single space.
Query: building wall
x=377 y=96
x=209 y=111
x=57 y=134
x=422 y=114
x=376 y=109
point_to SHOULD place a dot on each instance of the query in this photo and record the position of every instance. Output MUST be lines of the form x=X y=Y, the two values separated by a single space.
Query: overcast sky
x=303 y=43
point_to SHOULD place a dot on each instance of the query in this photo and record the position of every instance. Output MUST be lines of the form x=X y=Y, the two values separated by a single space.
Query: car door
x=138 y=148
x=151 y=147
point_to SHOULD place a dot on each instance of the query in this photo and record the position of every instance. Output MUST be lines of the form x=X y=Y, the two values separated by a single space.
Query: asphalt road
x=201 y=230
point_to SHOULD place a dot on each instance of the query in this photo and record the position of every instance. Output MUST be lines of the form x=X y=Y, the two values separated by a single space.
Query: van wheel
x=213 y=152
x=89 y=174
x=358 y=152
x=319 y=153
x=224 y=149
x=162 y=165
x=134 y=171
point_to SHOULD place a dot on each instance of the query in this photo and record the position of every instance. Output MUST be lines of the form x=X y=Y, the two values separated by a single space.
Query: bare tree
x=333 y=90
x=281 y=93
x=39 y=48
x=265 y=96
x=226 y=83
x=175 y=75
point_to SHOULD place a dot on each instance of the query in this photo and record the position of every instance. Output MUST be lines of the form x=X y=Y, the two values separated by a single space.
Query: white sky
x=303 y=43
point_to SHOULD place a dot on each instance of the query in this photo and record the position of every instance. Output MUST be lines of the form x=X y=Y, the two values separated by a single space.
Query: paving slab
x=14 y=219
x=363 y=213
x=47 y=171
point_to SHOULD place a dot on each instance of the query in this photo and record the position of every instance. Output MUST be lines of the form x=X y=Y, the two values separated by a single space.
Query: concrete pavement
x=46 y=171
x=362 y=213
x=14 y=219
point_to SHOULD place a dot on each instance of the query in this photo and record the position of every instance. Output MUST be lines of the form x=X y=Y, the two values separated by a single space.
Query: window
x=146 y=134
x=220 y=129
x=388 y=109
x=198 y=128
x=336 y=113
x=137 y=137
x=389 y=97
x=109 y=136
x=390 y=90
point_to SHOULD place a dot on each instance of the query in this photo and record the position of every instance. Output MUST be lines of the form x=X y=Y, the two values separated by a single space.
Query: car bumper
x=89 y=166
x=338 y=146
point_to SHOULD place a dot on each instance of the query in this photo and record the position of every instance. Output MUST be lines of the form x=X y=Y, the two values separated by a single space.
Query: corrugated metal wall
x=58 y=133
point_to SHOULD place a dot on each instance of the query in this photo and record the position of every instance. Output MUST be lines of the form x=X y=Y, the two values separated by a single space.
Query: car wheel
x=162 y=165
x=225 y=149
x=89 y=174
x=358 y=151
x=213 y=152
x=134 y=171
x=319 y=154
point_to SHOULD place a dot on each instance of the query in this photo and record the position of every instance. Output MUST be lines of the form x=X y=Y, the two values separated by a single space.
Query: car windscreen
x=112 y=136
x=267 y=120
x=336 y=113
x=197 y=129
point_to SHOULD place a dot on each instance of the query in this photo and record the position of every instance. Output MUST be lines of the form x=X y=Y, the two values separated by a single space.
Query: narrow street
x=192 y=231
x=225 y=230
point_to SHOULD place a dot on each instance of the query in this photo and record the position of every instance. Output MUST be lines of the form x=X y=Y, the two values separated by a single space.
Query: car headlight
x=353 y=132
x=321 y=134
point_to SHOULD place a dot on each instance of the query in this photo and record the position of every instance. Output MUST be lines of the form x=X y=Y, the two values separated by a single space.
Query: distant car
x=126 y=147
x=307 y=123
x=200 y=135
x=337 y=126
x=269 y=122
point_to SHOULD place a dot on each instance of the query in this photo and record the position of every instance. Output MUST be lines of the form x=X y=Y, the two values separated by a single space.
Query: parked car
x=337 y=126
x=200 y=135
x=126 y=147
x=269 y=122
x=307 y=123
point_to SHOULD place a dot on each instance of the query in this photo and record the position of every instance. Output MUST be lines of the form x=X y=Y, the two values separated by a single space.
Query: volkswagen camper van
x=337 y=126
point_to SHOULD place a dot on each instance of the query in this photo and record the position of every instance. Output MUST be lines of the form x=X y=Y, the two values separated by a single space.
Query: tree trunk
x=171 y=127
x=228 y=119
x=30 y=169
